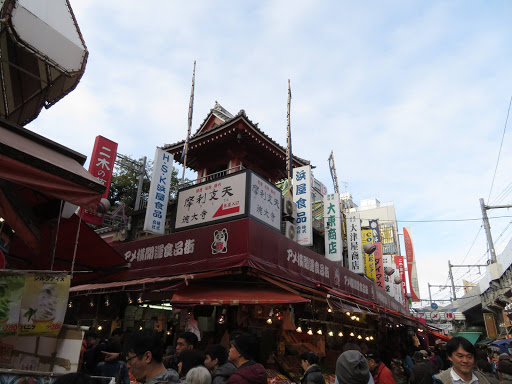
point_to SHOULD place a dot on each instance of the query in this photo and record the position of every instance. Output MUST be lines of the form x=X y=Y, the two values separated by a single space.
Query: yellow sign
x=369 y=260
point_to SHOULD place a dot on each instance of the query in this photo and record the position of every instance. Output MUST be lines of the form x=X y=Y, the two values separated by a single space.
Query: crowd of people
x=457 y=363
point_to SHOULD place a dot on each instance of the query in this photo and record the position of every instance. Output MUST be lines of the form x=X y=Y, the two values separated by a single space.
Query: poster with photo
x=44 y=304
x=11 y=291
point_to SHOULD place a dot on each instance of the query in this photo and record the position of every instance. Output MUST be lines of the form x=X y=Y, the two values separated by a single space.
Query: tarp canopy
x=234 y=294
x=472 y=337
x=440 y=336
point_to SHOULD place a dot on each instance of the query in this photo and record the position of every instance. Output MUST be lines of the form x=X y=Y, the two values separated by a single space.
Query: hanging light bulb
x=319 y=331
x=222 y=318
x=367 y=338
x=340 y=334
x=107 y=301
x=347 y=313
x=100 y=327
x=330 y=333
x=139 y=299
x=91 y=304
x=357 y=318
x=329 y=310
x=270 y=314
x=269 y=320
x=352 y=334
x=140 y=328
x=70 y=304
x=299 y=329
x=359 y=337
x=168 y=333
x=310 y=332
x=130 y=300
x=371 y=337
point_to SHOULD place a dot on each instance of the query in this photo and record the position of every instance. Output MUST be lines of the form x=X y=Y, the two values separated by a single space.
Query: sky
x=411 y=96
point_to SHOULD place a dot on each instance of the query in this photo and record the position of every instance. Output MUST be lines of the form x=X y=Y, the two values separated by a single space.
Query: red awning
x=440 y=336
x=234 y=294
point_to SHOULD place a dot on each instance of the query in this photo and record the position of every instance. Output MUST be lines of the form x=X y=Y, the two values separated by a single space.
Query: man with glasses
x=144 y=359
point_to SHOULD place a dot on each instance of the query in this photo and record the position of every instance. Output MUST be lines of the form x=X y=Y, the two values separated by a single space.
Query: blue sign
x=434 y=306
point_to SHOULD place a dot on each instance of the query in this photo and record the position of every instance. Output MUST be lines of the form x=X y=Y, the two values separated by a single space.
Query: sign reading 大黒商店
x=355 y=253
x=302 y=196
x=158 y=198
x=332 y=224
x=265 y=202
x=211 y=202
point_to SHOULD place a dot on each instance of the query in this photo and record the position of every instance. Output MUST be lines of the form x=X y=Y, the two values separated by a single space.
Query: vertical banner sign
x=355 y=253
x=102 y=167
x=388 y=282
x=369 y=260
x=332 y=222
x=379 y=268
x=158 y=197
x=374 y=225
x=400 y=266
x=490 y=326
x=302 y=196
x=265 y=202
x=44 y=304
x=411 y=265
x=11 y=291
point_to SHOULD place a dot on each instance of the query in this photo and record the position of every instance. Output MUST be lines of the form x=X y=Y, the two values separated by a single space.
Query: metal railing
x=212 y=176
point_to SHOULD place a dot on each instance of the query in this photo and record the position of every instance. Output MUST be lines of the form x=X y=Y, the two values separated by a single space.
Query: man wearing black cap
x=242 y=354
x=381 y=373
x=422 y=371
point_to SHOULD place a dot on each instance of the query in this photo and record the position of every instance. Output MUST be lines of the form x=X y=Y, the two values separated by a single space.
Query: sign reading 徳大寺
x=265 y=202
x=302 y=196
x=212 y=202
x=332 y=224
x=158 y=197
x=355 y=253
x=102 y=167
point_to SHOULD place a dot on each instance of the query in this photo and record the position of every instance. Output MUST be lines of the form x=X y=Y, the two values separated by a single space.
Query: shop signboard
x=355 y=253
x=11 y=292
x=400 y=266
x=379 y=268
x=265 y=202
x=411 y=265
x=158 y=198
x=302 y=196
x=374 y=225
x=332 y=224
x=102 y=167
x=368 y=259
x=44 y=304
x=388 y=280
x=490 y=325
x=207 y=203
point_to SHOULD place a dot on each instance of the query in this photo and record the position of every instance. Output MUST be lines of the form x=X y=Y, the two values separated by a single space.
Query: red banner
x=399 y=262
x=379 y=268
x=102 y=167
x=411 y=266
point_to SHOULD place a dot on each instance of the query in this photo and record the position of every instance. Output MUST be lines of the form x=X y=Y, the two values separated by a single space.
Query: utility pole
x=429 y=294
x=141 y=180
x=490 y=244
x=450 y=274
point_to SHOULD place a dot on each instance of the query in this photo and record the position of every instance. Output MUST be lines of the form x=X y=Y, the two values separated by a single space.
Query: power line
x=501 y=145
x=443 y=220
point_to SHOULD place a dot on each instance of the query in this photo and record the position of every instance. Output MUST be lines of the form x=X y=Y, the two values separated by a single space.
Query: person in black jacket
x=422 y=371
x=312 y=372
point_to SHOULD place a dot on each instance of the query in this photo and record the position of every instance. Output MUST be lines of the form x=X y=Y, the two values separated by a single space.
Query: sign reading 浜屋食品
x=265 y=202
x=158 y=197
x=302 y=196
x=212 y=202
x=355 y=253
x=332 y=223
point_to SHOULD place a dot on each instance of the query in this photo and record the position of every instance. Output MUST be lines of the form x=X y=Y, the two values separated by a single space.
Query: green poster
x=11 y=292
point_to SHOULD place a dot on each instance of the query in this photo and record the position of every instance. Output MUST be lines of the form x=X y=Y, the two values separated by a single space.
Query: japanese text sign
x=355 y=253
x=400 y=265
x=369 y=259
x=302 y=196
x=212 y=202
x=387 y=262
x=374 y=225
x=265 y=202
x=158 y=197
x=101 y=167
x=411 y=265
x=332 y=225
x=379 y=267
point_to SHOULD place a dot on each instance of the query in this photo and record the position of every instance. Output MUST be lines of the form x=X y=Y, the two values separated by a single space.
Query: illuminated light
x=107 y=301
x=319 y=332
x=139 y=299
x=352 y=334
x=329 y=310
x=168 y=333
x=357 y=318
x=222 y=319
x=340 y=334
x=299 y=329
x=310 y=332
x=100 y=327
x=352 y=317
x=371 y=337
x=367 y=338
x=397 y=326
x=269 y=321
x=130 y=301
x=331 y=333
x=140 y=328
x=91 y=304
x=359 y=337
x=70 y=304
x=347 y=313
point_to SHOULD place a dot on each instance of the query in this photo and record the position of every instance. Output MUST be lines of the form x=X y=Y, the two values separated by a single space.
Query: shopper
x=113 y=368
x=198 y=375
x=352 y=368
x=189 y=359
x=242 y=353
x=89 y=356
x=486 y=368
x=74 y=378
x=381 y=373
x=421 y=372
x=216 y=361
x=462 y=355
x=504 y=367
x=186 y=341
x=312 y=372
x=144 y=359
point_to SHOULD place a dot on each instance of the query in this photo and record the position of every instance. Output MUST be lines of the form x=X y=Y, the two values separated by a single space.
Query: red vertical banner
x=101 y=166
x=379 y=268
x=411 y=266
x=400 y=266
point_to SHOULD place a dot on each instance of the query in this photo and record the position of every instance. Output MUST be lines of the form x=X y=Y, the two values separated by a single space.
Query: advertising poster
x=44 y=304
x=11 y=291
x=369 y=260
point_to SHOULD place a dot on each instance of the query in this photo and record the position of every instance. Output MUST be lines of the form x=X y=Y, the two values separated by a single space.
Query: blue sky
x=412 y=97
